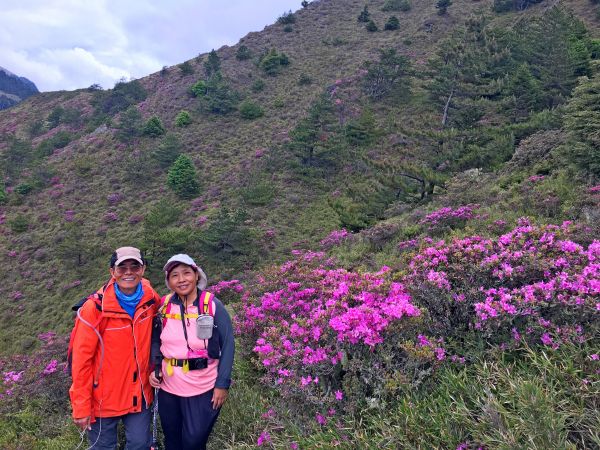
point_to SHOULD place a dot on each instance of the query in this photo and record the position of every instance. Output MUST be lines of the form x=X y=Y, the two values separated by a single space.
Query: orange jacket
x=125 y=367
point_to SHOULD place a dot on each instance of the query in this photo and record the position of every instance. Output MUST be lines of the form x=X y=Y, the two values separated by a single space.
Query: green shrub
x=121 y=97
x=258 y=85
x=259 y=193
x=392 y=23
x=304 y=79
x=183 y=119
x=182 y=177
x=186 y=68
x=396 y=5
x=243 y=53
x=19 y=224
x=24 y=188
x=250 y=110
x=364 y=16
x=442 y=6
x=287 y=18
x=198 y=89
x=371 y=26
x=154 y=127
x=279 y=102
x=59 y=140
x=288 y=29
x=272 y=62
x=219 y=97
x=2 y=193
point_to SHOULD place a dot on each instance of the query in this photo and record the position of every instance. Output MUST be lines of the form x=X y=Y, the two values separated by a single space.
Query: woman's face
x=183 y=280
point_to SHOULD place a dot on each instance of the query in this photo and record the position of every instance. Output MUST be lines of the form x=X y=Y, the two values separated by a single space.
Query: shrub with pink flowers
x=335 y=238
x=318 y=332
x=532 y=284
x=449 y=217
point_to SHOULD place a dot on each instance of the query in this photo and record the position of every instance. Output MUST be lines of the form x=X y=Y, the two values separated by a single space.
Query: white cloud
x=69 y=44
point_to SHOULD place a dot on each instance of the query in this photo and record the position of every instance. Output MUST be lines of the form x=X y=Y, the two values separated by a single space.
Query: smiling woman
x=197 y=347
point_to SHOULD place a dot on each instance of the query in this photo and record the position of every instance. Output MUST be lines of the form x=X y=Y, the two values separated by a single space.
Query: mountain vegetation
x=402 y=217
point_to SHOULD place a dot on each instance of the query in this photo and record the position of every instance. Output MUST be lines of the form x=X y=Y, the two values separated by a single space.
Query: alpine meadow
x=398 y=201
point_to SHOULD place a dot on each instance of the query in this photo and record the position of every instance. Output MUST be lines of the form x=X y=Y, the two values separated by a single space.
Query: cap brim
x=125 y=258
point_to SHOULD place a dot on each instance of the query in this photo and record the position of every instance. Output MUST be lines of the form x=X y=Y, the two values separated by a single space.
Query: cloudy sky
x=70 y=44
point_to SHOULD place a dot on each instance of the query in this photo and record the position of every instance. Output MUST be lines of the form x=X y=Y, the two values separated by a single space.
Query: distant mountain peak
x=14 y=89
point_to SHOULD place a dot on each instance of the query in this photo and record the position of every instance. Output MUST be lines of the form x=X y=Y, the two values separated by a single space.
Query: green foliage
x=387 y=76
x=287 y=18
x=16 y=157
x=396 y=5
x=364 y=15
x=183 y=119
x=212 y=65
x=182 y=177
x=154 y=127
x=311 y=138
x=186 y=68
x=501 y=6
x=24 y=188
x=167 y=151
x=272 y=62
x=60 y=115
x=442 y=6
x=250 y=110
x=229 y=239
x=243 y=53
x=121 y=97
x=582 y=120
x=130 y=124
x=2 y=193
x=258 y=85
x=59 y=140
x=219 y=98
x=288 y=28
x=392 y=23
x=525 y=91
x=304 y=79
x=361 y=131
x=259 y=191
x=371 y=26
x=163 y=235
x=199 y=88
x=19 y=224
x=304 y=3
x=73 y=249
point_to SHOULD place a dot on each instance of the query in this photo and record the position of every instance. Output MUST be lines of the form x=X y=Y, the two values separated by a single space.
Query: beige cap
x=125 y=253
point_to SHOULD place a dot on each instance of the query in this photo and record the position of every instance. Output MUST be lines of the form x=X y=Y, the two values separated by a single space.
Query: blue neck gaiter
x=129 y=302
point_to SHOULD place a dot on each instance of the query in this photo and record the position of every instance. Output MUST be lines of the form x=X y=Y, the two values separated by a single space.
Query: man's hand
x=83 y=423
x=154 y=380
x=219 y=397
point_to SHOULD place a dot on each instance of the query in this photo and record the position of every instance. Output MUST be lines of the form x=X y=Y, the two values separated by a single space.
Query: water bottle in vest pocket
x=204 y=326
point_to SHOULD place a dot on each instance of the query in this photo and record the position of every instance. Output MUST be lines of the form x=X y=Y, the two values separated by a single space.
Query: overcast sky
x=70 y=44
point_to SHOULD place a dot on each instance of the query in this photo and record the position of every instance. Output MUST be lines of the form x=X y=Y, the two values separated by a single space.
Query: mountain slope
x=14 y=89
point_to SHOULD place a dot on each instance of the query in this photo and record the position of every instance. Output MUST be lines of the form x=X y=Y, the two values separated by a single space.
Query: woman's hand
x=154 y=380
x=219 y=397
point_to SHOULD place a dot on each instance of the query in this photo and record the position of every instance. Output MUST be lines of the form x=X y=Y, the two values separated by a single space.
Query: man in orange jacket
x=111 y=356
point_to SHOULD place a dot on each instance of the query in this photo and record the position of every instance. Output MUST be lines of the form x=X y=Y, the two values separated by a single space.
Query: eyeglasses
x=133 y=268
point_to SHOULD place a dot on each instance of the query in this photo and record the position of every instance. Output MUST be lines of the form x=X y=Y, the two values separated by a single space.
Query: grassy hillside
x=445 y=126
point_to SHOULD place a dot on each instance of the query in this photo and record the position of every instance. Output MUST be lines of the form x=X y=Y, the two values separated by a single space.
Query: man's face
x=128 y=275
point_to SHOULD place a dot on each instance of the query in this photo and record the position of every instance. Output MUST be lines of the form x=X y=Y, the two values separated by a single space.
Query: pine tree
x=186 y=68
x=392 y=23
x=182 y=177
x=364 y=16
x=212 y=65
x=390 y=73
x=243 y=53
x=183 y=119
x=442 y=6
x=371 y=26
x=167 y=151
x=525 y=91
x=130 y=124
x=154 y=127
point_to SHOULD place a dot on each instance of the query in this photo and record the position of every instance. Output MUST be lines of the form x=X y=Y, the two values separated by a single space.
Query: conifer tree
x=212 y=65
x=182 y=177
x=167 y=151
x=364 y=16
x=442 y=6
x=371 y=26
x=392 y=23
x=154 y=127
x=183 y=119
x=390 y=73
x=525 y=91
x=186 y=68
x=243 y=53
x=130 y=124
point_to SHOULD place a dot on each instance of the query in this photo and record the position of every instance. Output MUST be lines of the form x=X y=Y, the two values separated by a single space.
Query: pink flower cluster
x=335 y=238
x=449 y=216
x=312 y=315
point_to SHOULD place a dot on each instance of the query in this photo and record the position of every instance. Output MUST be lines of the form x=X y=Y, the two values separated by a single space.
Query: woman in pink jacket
x=197 y=347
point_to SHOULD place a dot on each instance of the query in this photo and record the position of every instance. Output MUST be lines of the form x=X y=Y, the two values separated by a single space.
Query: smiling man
x=111 y=356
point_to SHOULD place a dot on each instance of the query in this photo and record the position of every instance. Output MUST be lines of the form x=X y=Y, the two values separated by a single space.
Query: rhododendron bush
x=330 y=337
x=316 y=322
